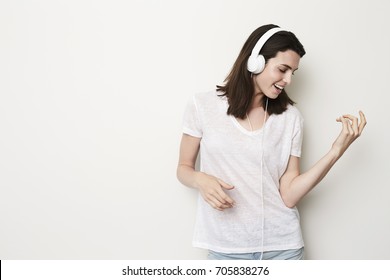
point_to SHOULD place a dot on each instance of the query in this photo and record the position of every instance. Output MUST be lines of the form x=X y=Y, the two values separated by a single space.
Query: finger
x=219 y=198
x=349 y=126
x=215 y=206
x=224 y=198
x=354 y=124
x=225 y=185
x=346 y=125
x=215 y=203
x=363 y=122
x=223 y=195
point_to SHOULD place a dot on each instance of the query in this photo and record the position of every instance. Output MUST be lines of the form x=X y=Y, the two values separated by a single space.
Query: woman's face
x=277 y=74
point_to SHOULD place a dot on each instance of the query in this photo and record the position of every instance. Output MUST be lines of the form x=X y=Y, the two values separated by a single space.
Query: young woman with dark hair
x=249 y=137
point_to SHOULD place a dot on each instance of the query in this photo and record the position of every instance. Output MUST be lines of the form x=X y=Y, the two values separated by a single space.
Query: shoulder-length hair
x=238 y=86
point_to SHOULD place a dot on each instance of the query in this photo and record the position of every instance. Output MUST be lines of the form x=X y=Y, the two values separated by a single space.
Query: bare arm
x=210 y=187
x=294 y=186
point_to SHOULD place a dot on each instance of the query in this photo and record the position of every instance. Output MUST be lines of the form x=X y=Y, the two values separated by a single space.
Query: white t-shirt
x=232 y=153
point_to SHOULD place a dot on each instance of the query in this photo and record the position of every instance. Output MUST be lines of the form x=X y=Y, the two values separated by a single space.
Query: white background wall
x=91 y=100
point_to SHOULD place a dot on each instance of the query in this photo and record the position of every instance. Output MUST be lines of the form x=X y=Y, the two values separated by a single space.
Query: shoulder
x=291 y=116
x=293 y=112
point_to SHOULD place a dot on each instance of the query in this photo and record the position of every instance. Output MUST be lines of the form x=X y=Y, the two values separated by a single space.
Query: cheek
x=256 y=84
x=266 y=78
x=276 y=74
x=259 y=81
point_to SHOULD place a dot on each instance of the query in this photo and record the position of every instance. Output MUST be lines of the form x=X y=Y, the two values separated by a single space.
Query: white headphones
x=256 y=62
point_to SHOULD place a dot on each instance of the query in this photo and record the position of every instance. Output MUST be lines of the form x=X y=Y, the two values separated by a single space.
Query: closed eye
x=284 y=70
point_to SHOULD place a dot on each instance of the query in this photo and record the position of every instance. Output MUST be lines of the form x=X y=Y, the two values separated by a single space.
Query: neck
x=257 y=101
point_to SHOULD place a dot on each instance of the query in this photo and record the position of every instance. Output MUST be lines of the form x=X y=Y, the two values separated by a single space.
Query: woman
x=249 y=136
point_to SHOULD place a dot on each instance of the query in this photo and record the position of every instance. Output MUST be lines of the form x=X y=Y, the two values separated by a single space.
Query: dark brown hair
x=239 y=88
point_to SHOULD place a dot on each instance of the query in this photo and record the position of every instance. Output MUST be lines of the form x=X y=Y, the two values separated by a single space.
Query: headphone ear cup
x=256 y=64
x=252 y=63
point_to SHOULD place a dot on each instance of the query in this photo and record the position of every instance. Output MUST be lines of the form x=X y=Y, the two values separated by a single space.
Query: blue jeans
x=293 y=254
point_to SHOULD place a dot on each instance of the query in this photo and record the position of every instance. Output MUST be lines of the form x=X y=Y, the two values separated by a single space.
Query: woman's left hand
x=351 y=130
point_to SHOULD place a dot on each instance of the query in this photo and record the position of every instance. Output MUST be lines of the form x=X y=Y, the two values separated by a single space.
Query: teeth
x=279 y=87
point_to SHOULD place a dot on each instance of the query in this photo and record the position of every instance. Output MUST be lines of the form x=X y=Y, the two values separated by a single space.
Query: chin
x=272 y=96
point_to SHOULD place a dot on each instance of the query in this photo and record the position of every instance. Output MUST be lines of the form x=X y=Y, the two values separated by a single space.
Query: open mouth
x=279 y=88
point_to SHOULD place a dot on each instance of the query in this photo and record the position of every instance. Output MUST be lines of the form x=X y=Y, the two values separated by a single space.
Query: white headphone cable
x=249 y=121
x=261 y=180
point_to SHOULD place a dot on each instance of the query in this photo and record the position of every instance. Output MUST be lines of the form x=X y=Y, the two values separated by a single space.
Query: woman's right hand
x=213 y=190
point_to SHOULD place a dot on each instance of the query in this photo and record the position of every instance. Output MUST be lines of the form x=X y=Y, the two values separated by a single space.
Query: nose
x=287 y=78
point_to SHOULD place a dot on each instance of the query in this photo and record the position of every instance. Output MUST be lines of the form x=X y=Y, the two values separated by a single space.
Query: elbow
x=290 y=204
x=178 y=174
x=288 y=200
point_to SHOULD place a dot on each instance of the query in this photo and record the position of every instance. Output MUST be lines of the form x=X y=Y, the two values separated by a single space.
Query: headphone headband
x=256 y=61
x=263 y=39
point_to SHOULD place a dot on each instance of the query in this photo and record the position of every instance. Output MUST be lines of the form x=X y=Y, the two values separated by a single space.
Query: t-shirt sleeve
x=191 y=119
x=296 y=148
